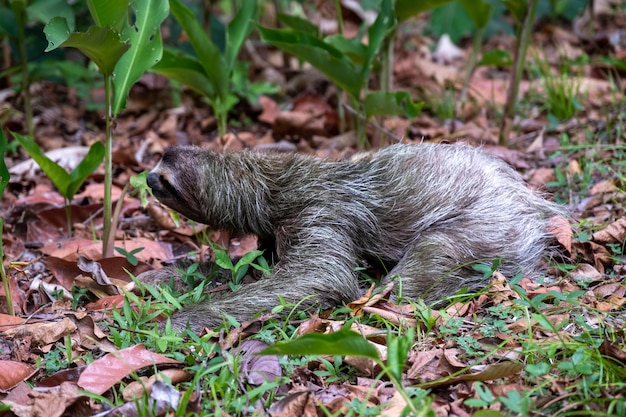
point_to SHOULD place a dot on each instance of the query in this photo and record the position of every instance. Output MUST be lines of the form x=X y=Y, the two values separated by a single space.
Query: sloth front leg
x=314 y=270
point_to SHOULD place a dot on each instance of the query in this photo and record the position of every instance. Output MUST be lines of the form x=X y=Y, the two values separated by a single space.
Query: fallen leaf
x=103 y=373
x=13 y=373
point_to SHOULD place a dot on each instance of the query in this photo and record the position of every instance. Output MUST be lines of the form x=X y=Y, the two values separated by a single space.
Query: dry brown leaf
x=561 y=229
x=13 y=373
x=44 y=333
x=103 y=373
x=500 y=370
x=613 y=233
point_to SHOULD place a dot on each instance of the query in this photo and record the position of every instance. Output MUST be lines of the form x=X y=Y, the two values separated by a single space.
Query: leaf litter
x=45 y=262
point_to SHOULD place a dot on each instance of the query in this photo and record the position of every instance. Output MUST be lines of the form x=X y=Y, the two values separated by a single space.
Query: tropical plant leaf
x=344 y=343
x=479 y=11
x=408 y=8
x=146 y=47
x=394 y=103
x=113 y=13
x=238 y=31
x=326 y=58
x=209 y=55
x=100 y=44
x=90 y=162
x=185 y=70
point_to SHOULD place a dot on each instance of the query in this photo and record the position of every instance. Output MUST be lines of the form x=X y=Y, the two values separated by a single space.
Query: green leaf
x=496 y=57
x=146 y=47
x=299 y=24
x=517 y=8
x=398 y=348
x=186 y=70
x=112 y=13
x=223 y=260
x=383 y=25
x=45 y=10
x=394 y=103
x=326 y=58
x=238 y=31
x=209 y=55
x=344 y=342
x=54 y=171
x=351 y=47
x=479 y=11
x=100 y=44
x=90 y=162
x=248 y=258
x=4 y=171
x=409 y=8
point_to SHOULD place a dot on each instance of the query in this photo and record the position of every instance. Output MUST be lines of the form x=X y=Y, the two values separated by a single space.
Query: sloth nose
x=153 y=181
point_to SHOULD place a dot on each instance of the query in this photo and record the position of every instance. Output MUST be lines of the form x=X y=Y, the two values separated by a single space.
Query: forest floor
x=82 y=342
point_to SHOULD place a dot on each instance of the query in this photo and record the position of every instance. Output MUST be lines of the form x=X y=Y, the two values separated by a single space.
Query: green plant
x=130 y=256
x=210 y=73
x=346 y=342
x=67 y=183
x=240 y=269
x=560 y=90
x=123 y=52
x=348 y=63
x=4 y=180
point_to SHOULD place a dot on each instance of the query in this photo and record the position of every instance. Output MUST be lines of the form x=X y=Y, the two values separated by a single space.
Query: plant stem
x=339 y=17
x=5 y=281
x=471 y=65
x=518 y=68
x=68 y=216
x=20 y=13
x=107 y=241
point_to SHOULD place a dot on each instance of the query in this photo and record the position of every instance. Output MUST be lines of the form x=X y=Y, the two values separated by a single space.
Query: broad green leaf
x=409 y=8
x=383 y=25
x=326 y=58
x=496 y=57
x=479 y=11
x=90 y=162
x=238 y=31
x=299 y=24
x=54 y=171
x=248 y=258
x=145 y=49
x=185 y=70
x=344 y=343
x=45 y=10
x=4 y=171
x=517 y=8
x=208 y=54
x=112 y=13
x=57 y=31
x=223 y=260
x=394 y=103
x=8 y=25
x=100 y=44
x=351 y=47
x=451 y=19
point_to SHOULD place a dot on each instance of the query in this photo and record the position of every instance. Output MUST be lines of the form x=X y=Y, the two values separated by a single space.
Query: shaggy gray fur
x=430 y=209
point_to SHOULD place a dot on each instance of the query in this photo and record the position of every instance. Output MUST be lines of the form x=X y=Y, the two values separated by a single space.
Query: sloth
x=432 y=211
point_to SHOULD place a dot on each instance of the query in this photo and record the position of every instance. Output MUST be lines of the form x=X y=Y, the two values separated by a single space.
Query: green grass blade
x=4 y=171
